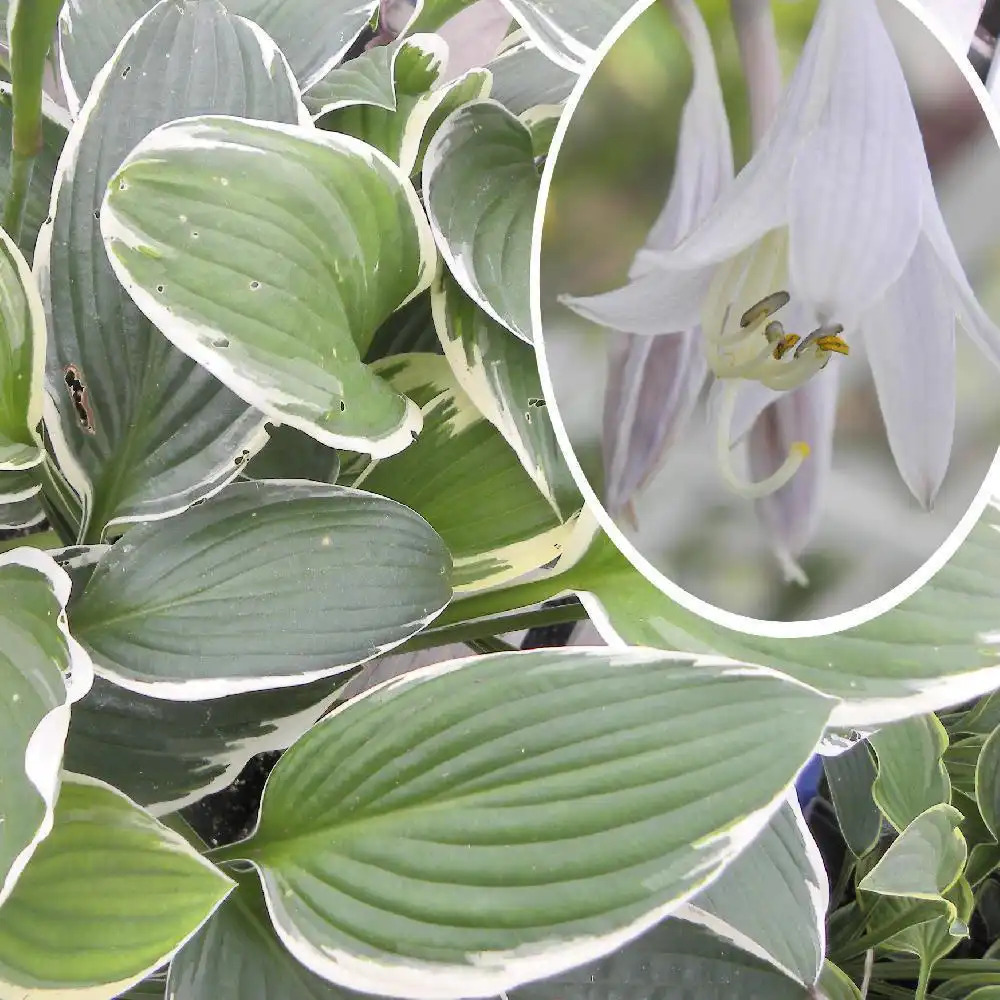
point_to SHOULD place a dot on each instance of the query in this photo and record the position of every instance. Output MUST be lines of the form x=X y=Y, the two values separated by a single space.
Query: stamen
x=828 y=333
x=767 y=306
x=834 y=343
x=797 y=454
x=785 y=345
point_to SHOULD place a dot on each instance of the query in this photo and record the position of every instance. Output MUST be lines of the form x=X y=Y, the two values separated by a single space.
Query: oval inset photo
x=766 y=294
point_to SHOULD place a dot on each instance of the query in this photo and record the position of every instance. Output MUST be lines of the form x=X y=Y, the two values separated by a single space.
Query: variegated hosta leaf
x=108 y=897
x=139 y=429
x=399 y=113
x=18 y=514
x=500 y=373
x=463 y=477
x=18 y=486
x=55 y=125
x=480 y=191
x=481 y=823
x=987 y=782
x=911 y=776
x=278 y=297
x=568 y=31
x=524 y=77
x=312 y=34
x=268 y=585
x=772 y=900
x=166 y=755
x=22 y=361
x=850 y=777
x=939 y=647
x=42 y=670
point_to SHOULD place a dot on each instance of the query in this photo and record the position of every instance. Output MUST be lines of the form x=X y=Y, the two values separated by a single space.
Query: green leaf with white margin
x=21 y=514
x=164 y=431
x=939 y=647
x=268 y=585
x=476 y=824
x=523 y=77
x=673 y=961
x=368 y=79
x=463 y=477
x=55 y=126
x=402 y=113
x=960 y=760
x=911 y=775
x=22 y=361
x=850 y=776
x=108 y=897
x=237 y=956
x=480 y=191
x=836 y=985
x=42 y=671
x=18 y=486
x=772 y=900
x=500 y=373
x=567 y=31
x=988 y=783
x=314 y=35
x=984 y=852
x=277 y=297
x=166 y=755
x=924 y=861
x=932 y=939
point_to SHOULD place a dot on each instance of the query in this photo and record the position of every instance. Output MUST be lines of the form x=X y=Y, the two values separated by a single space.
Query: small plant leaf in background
x=397 y=115
x=267 y=585
x=166 y=755
x=148 y=431
x=109 y=895
x=500 y=373
x=464 y=478
x=911 y=774
x=22 y=361
x=312 y=34
x=42 y=670
x=55 y=126
x=837 y=985
x=480 y=190
x=850 y=776
x=291 y=454
x=987 y=786
x=323 y=261
x=924 y=861
x=415 y=841
x=881 y=671
x=961 y=759
x=772 y=900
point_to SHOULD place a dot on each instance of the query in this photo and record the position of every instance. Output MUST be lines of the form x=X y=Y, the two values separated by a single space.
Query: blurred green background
x=611 y=178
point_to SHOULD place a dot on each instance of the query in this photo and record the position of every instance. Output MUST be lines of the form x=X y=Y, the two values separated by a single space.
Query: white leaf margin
x=44 y=752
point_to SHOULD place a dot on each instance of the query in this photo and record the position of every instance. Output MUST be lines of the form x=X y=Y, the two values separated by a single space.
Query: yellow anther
x=785 y=345
x=833 y=343
x=767 y=306
x=801 y=448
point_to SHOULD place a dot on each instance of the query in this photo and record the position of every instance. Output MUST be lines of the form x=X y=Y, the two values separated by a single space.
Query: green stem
x=21 y=168
x=499 y=602
x=466 y=632
x=923 y=980
x=490 y=645
x=945 y=969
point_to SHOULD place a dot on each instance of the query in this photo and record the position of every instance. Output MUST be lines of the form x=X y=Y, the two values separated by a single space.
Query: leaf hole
x=254 y=285
x=122 y=186
x=161 y=289
x=222 y=342
x=126 y=71
x=343 y=407
x=97 y=213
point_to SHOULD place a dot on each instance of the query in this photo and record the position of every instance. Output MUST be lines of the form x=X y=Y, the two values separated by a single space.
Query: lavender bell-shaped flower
x=833 y=227
x=654 y=382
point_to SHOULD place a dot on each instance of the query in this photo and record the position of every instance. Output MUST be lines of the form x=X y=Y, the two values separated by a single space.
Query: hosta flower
x=654 y=382
x=831 y=234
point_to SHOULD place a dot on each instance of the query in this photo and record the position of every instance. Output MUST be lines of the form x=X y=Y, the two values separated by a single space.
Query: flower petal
x=856 y=195
x=653 y=386
x=656 y=302
x=790 y=515
x=753 y=398
x=704 y=147
x=910 y=339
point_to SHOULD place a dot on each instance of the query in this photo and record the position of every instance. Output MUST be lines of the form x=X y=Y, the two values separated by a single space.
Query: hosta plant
x=270 y=411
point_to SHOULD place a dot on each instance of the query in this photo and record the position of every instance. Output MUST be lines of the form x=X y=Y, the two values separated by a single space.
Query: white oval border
x=740 y=623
